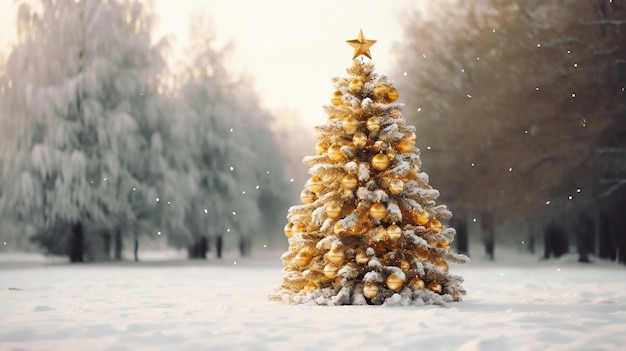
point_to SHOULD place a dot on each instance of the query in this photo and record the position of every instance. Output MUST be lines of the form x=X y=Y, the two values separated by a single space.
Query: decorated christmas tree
x=369 y=231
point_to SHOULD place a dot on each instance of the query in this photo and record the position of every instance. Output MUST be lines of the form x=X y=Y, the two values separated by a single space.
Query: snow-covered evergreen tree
x=233 y=150
x=80 y=96
x=370 y=230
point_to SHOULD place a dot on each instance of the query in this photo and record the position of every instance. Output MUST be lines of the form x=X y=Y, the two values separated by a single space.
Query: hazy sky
x=291 y=48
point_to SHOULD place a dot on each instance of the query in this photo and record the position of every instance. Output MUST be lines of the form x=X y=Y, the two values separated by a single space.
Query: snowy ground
x=223 y=306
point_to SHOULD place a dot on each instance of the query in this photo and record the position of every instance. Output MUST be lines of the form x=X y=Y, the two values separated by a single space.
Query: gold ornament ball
x=442 y=264
x=405 y=266
x=394 y=232
x=288 y=230
x=334 y=152
x=436 y=287
x=350 y=124
x=314 y=184
x=444 y=244
x=320 y=148
x=359 y=139
x=404 y=147
x=392 y=94
x=418 y=283
x=456 y=296
x=380 y=91
x=335 y=255
x=396 y=186
x=394 y=282
x=373 y=124
x=380 y=162
x=307 y=196
x=361 y=258
x=333 y=210
x=330 y=271
x=370 y=290
x=336 y=98
x=298 y=227
x=421 y=217
x=356 y=84
x=378 y=211
x=303 y=258
x=435 y=225
x=349 y=181
x=310 y=287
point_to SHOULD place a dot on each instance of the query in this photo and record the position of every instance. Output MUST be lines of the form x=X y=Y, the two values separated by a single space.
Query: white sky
x=291 y=48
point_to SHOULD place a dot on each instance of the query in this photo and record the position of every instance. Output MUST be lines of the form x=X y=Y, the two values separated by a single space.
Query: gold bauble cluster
x=303 y=258
x=380 y=161
x=288 y=230
x=335 y=255
x=394 y=232
x=359 y=139
x=421 y=218
x=394 y=282
x=350 y=124
x=370 y=290
x=442 y=264
x=307 y=196
x=330 y=271
x=336 y=99
x=373 y=124
x=384 y=93
x=315 y=184
x=334 y=152
x=349 y=181
x=396 y=186
x=435 y=225
x=333 y=210
x=378 y=211
x=435 y=287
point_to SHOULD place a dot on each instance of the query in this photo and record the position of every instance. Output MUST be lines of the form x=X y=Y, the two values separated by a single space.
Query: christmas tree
x=369 y=231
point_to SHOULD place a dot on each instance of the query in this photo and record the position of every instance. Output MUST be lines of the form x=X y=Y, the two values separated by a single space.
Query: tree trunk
x=219 y=246
x=584 y=237
x=462 y=244
x=488 y=234
x=199 y=248
x=607 y=246
x=118 y=244
x=136 y=249
x=531 y=243
x=106 y=245
x=76 y=242
x=555 y=241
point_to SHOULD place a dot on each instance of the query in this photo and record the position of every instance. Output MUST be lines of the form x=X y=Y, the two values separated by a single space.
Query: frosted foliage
x=370 y=231
x=83 y=76
x=225 y=134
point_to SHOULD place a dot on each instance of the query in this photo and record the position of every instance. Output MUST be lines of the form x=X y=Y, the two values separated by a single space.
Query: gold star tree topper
x=361 y=45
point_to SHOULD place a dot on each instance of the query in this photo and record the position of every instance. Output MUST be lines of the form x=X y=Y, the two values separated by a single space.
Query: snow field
x=223 y=306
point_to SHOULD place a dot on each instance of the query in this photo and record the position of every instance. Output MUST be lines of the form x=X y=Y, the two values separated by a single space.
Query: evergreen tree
x=369 y=230
x=234 y=196
x=82 y=85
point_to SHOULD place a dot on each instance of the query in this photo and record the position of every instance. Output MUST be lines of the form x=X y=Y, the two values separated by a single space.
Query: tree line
x=105 y=141
x=520 y=111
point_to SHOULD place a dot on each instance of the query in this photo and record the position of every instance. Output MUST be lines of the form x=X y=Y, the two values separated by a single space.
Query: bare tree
x=518 y=104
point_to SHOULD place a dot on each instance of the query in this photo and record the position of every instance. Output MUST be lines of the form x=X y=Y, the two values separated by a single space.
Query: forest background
x=110 y=140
